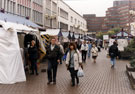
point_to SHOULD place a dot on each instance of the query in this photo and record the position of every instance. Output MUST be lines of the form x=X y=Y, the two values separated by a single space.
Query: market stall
x=12 y=46
x=11 y=64
x=123 y=39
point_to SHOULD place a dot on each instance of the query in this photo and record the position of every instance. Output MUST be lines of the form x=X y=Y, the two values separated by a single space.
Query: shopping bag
x=64 y=57
x=80 y=72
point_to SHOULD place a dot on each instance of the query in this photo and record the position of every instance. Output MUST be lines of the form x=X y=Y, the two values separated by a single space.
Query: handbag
x=80 y=72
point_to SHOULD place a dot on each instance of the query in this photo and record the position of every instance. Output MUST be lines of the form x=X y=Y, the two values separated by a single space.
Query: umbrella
x=73 y=37
x=69 y=36
x=79 y=36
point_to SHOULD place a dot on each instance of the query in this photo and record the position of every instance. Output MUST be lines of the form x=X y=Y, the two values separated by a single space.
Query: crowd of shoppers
x=74 y=54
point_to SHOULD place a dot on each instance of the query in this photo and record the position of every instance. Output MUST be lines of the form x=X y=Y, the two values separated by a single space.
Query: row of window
x=63 y=14
x=23 y=11
x=20 y=9
x=24 y=2
x=79 y=23
x=40 y=2
x=9 y=6
x=37 y=17
x=37 y=7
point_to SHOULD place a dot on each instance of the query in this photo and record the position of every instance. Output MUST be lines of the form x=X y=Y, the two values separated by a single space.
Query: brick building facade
x=32 y=9
x=119 y=15
x=94 y=24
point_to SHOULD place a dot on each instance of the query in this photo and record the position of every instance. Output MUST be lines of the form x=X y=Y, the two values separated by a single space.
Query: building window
x=23 y=11
x=54 y=7
x=1 y=3
x=71 y=28
x=48 y=4
x=64 y=14
x=8 y=5
x=4 y=4
x=75 y=21
x=71 y=19
x=48 y=11
x=78 y=22
x=14 y=8
x=64 y=26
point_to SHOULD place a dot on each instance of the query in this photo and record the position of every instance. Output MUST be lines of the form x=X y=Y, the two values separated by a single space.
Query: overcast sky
x=97 y=7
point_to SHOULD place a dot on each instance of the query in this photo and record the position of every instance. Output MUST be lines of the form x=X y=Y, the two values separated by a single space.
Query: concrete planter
x=131 y=75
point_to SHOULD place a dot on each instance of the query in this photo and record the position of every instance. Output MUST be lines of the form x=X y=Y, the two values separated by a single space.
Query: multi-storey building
x=59 y=15
x=112 y=18
x=119 y=15
x=32 y=9
x=47 y=13
x=50 y=13
x=94 y=24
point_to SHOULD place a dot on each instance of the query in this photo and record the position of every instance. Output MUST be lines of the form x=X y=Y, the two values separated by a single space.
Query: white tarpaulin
x=51 y=32
x=122 y=43
x=111 y=42
x=11 y=64
x=15 y=26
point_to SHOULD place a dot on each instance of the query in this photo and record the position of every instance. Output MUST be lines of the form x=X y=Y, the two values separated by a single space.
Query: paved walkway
x=99 y=79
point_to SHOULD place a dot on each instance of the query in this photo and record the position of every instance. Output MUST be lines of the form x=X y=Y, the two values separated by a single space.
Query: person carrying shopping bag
x=94 y=51
x=73 y=62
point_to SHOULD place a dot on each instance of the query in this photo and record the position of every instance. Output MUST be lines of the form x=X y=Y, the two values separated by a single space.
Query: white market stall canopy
x=52 y=32
x=15 y=26
x=11 y=64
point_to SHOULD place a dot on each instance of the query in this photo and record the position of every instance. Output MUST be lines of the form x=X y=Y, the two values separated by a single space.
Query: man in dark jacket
x=53 y=55
x=33 y=56
x=113 y=53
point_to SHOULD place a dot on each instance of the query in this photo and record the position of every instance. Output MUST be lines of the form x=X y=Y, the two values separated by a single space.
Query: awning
x=52 y=32
x=17 y=19
x=76 y=36
x=15 y=26
x=122 y=34
x=90 y=37
x=65 y=34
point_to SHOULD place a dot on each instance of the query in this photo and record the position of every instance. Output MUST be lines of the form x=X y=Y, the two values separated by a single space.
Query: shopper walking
x=94 y=51
x=89 y=49
x=84 y=49
x=33 y=56
x=53 y=55
x=73 y=61
x=113 y=53
x=62 y=51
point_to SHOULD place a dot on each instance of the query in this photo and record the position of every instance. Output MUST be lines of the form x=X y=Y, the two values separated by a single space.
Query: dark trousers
x=52 y=70
x=84 y=53
x=34 y=65
x=74 y=75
